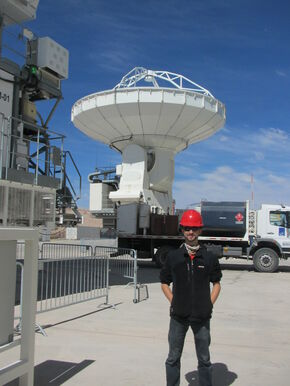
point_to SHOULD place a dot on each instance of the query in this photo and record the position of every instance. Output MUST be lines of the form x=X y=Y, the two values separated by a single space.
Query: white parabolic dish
x=169 y=118
x=149 y=125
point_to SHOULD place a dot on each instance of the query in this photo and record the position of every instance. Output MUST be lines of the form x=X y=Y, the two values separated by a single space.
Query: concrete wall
x=84 y=232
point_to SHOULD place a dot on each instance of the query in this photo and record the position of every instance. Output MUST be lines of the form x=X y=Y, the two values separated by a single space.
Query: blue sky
x=239 y=50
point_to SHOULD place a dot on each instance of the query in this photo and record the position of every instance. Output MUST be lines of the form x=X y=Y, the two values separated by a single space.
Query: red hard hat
x=191 y=218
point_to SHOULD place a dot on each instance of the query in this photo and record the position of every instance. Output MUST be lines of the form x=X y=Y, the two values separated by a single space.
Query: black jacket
x=191 y=283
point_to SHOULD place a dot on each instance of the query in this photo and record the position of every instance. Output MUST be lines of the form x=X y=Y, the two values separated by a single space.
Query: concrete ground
x=91 y=345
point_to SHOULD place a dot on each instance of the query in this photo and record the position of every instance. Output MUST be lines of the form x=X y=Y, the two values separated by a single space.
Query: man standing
x=191 y=269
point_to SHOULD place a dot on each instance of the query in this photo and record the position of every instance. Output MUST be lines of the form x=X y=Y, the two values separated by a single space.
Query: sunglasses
x=187 y=229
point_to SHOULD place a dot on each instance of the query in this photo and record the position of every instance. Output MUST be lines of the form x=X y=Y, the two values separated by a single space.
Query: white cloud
x=281 y=73
x=228 y=184
x=185 y=170
x=223 y=138
x=259 y=155
x=273 y=136
x=262 y=153
x=269 y=144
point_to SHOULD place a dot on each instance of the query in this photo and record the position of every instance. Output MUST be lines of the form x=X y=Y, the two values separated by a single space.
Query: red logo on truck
x=239 y=217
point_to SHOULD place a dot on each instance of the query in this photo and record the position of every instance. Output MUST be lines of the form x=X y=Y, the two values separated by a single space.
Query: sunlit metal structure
x=33 y=161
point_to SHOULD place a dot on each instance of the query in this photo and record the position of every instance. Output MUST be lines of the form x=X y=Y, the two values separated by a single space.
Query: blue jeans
x=176 y=337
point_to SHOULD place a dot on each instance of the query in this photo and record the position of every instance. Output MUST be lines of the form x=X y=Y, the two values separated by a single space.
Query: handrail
x=78 y=172
x=70 y=184
x=35 y=159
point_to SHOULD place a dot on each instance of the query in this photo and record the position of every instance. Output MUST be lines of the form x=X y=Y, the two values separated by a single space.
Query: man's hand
x=216 y=289
x=167 y=292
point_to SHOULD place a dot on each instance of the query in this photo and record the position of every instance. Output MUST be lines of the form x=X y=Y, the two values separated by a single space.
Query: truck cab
x=273 y=221
x=272 y=237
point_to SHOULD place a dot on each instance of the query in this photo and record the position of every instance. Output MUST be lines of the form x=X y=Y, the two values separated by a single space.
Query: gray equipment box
x=127 y=218
x=144 y=216
x=49 y=55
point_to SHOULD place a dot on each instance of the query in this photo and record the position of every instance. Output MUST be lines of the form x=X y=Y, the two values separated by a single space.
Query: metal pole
x=47 y=155
x=135 y=300
x=15 y=107
x=52 y=111
x=2 y=144
x=62 y=165
x=1 y=29
x=107 y=279
x=37 y=160
x=9 y=141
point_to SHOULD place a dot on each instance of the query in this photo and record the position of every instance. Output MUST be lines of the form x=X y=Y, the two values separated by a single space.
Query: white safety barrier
x=64 y=251
x=70 y=274
x=62 y=282
x=23 y=368
x=122 y=264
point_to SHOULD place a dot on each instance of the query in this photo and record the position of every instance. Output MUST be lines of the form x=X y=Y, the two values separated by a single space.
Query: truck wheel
x=161 y=255
x=266 y=260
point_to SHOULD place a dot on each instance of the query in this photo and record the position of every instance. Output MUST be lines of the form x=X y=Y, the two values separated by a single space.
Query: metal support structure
x=176 y=80
x=134 y=255
x=78 y=172
x=15 y=106
x=37 y=160
x=31 y=83
x=1 y=29
x=52 y=111
x=2 y=142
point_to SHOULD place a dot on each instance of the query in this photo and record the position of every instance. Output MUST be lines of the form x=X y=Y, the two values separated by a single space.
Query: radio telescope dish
x=171 y=117
x=159 y=112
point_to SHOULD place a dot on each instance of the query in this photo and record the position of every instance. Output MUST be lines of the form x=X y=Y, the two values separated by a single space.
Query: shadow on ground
x=55 y=373
x=247 y=267
x=221 y=376
x=104 y=307
x=236 y=267
x=149 y=273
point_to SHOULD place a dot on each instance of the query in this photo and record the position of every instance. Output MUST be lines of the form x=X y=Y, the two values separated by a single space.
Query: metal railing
x=67 y=156
x=32 y=154
x=70 y=274
x=40 y=154
x=65 y=251
x=122 y=264
x=66 y=281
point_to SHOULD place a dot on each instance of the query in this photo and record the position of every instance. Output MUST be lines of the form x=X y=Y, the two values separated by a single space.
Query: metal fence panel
x=122 y=264
x=64 y=251
x=70 y=274
x=62 y=282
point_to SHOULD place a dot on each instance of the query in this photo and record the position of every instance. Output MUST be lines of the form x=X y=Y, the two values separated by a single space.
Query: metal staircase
x=68 y=195
x=35 y=187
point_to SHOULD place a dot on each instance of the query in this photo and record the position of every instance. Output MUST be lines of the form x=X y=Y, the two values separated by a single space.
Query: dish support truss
x=177 y=81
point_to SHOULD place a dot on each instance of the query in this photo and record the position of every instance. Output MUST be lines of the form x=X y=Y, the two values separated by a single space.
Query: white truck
x=231 y=229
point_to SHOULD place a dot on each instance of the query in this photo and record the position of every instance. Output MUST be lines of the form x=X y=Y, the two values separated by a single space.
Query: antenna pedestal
x=146 y=176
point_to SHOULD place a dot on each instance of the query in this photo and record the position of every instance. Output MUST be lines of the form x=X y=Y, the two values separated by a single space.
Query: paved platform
x=89 y=344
